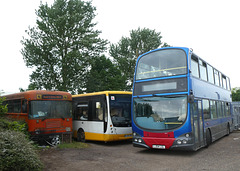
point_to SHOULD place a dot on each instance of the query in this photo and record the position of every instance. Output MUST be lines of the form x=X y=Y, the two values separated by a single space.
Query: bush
x=3 y=108
x=17 y=152
x=15 y=125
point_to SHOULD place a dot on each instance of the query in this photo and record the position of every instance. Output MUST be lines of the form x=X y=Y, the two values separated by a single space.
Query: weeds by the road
x=74 y=144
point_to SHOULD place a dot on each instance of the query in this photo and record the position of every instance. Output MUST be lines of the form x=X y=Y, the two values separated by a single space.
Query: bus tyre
x=208 y=138
x=81 y=135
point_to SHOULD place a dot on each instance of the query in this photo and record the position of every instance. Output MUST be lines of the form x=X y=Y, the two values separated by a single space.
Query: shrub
x=15 y=125
x=17 y=152
x=3 y=108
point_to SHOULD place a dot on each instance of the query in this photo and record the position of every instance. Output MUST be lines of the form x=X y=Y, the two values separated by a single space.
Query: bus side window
x=99 y=111
x=206 y=109
x=81 y=111
x=227 y=108
x=213 y=109
x=220 y=78
x=14 y=106
x=210 y=74
x=216 y=76
x=219 y=109
x=203 y=70
x=194 y=66
x=228 y=84
x=24 y=106
x=224 y=80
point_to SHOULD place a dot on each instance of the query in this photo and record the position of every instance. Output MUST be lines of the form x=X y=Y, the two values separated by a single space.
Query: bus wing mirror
x=190 y=98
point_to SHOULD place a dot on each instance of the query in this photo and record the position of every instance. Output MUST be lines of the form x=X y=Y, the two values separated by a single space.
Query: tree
x=3 y=107
x=62 y=45
x=236 y=94
x=104 y=76
x=127 y=50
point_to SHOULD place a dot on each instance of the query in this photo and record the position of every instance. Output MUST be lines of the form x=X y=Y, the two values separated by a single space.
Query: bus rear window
x=162 y=63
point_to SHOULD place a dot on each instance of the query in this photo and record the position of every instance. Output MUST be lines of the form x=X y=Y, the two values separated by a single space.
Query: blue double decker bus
x=179 y=101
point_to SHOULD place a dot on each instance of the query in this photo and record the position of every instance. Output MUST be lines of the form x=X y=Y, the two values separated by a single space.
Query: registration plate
x=159 y=146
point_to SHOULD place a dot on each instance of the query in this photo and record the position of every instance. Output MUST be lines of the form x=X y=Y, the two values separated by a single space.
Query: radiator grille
x=53 y=124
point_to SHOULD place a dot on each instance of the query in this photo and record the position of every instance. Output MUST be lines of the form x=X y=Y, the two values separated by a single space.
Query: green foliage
x=3 y=108
x=17 y=153
x=236 y=94
x=127 y=50
x=74 y=144
x=62 y=45
x=14 y=125
x=104 y=76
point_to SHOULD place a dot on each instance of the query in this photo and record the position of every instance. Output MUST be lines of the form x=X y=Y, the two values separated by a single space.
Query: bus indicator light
x=39 y=96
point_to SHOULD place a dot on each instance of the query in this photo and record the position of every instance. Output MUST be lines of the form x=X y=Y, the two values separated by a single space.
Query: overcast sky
x=210 y=27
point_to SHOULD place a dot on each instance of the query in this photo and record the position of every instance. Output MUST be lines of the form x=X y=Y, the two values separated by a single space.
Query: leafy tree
x=236 y=94
x=62 y=45
x=127 y=50
x=3 y=107
x=104 y=76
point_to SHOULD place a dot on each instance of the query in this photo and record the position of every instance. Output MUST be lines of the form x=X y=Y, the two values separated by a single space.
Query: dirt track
x=221 y=155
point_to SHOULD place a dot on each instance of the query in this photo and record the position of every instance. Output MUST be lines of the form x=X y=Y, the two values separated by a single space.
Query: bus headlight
x=68 y=129
x=37 y=131
x=179 y=142
x=187 y=135
x=140 y=140
x=184 y=141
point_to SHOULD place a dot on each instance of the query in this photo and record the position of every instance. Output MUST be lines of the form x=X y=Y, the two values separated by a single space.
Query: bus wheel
x=81 y=135
x=55 y=140
x=208 y=138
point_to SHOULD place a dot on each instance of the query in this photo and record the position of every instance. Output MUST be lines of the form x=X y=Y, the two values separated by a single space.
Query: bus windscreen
x=162 y=63
x=160 y=113
x=120 y=110
x=50 y=109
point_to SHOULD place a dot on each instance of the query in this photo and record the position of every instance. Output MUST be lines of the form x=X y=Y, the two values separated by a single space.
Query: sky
x=210 y=27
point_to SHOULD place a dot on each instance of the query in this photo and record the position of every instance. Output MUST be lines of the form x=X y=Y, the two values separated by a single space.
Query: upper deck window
x=224 y=81
x=162 y=63
x=228 y=84
x=216 y=75
x=210 y=74
x=194 y=66
x=203 y=70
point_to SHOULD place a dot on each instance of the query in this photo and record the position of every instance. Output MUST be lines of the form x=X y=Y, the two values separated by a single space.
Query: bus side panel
x=218 y=127
x=211 y=92
x=18 y=116
x=94 y=131
x=106 y=137
x=87 y=126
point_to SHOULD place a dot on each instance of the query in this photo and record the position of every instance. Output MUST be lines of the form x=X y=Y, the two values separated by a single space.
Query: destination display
x=161 y=86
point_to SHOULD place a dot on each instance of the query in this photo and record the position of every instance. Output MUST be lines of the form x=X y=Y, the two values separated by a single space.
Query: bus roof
x=32 y=95
x=103 y=92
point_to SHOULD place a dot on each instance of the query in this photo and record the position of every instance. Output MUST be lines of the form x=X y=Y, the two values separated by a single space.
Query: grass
x=74 y=144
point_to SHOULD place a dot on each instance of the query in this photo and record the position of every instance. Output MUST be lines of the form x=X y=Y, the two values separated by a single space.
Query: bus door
x=198 y=123
x=99 y=111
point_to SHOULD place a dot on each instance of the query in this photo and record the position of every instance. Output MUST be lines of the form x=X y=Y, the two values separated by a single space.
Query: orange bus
x=47 y=113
